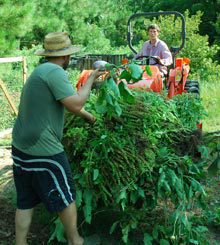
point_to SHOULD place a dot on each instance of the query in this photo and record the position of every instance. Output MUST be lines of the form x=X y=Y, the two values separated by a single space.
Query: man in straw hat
x=41 y=169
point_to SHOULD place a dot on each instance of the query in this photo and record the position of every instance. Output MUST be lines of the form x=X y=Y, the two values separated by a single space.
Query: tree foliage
x=93 y=24
x=209 y=8
x=16 y=20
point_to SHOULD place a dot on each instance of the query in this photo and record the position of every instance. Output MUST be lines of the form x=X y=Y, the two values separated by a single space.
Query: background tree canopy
x=97 y=26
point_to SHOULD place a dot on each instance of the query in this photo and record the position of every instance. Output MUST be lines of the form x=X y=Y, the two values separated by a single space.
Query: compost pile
x=144 y=158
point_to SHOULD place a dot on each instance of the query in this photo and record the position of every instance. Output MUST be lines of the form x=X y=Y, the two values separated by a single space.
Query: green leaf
x=87 y=196
x=161 y=180
x=173 y=177
x=148 y=70
x=190 y=192
x=101 y=105
x=118 y=109
x=125 y=75
x=58 y=233
x=78 y=197
x=109 y=99
x=136 y=72
x=166 y=186
x=185 y=221
x=214 y=167
x=204 y=151
x=198 y=187
x=113 y=227
x=147 y=239
x=134 y=225
x=164 y=242
x=201 y=229
x=109 y=67
x=113 y=87
x=126 y=93
x=95 y=174
x=87 y=209
x=104 y=136
x=125 y=232
x=133 y=197
x=123 y=204
x=194 y=241
x=122 y=196
x=141 y=192
x=155 y=232
x=100 y=108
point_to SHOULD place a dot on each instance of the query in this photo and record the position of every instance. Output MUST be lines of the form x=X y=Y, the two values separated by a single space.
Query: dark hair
x=153 y=26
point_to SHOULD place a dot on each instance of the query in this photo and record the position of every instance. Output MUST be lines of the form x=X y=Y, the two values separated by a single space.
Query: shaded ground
x=40 y=231
x=39 y=234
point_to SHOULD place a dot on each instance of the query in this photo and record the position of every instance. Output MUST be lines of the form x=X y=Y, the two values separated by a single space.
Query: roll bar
x=174 y=50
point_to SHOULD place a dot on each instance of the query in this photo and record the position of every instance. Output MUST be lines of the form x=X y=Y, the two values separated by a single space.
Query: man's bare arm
x=75 y=103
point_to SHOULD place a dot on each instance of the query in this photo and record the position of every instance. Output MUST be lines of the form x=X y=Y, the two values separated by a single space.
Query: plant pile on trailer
x=142 y=159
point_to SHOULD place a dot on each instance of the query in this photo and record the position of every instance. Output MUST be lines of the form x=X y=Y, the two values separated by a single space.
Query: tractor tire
x=192 y=87
x=192 y=83
x=193 y=90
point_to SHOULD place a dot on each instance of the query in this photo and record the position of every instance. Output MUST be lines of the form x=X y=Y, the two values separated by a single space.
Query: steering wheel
x=147 y=59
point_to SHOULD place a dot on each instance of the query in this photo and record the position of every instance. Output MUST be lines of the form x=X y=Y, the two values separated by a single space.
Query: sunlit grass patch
x=210 y=94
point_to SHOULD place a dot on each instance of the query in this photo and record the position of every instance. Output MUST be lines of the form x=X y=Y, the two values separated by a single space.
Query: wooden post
x=17 y=59
x=13 y=107
x=24 y=63
x=24 y=76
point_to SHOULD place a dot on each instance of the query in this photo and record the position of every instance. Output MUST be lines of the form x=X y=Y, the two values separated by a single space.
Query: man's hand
x=86 y=115
x=96 y=74
x=160 y=61
x=91 y=119
x=99 y=76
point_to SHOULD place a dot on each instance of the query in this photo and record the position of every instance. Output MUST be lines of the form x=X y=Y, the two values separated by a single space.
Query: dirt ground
x=39 y=233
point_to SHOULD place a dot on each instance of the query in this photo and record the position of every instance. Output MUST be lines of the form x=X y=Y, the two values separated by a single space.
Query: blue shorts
x=42 y=179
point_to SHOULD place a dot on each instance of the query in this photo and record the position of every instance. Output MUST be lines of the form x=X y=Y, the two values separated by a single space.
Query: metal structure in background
x=174 y=50
x=86 y=62
x=24 y=76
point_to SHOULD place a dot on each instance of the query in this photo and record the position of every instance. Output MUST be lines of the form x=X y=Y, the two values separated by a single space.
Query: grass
x=211 y=98
x=5 y=142
x=7 y=117
x=11 y=75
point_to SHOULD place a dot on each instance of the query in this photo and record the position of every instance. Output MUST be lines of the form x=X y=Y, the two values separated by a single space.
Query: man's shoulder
x=49 y=66
x=162 y=43
x=147 y=42
x=47 y=69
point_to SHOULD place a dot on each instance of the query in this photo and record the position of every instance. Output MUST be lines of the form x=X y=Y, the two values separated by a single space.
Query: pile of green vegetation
x=142 y=159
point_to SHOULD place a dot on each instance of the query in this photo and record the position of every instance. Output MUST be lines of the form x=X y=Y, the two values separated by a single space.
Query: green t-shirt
x=39 y=126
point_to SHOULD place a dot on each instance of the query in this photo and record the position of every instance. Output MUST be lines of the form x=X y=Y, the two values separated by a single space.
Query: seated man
x=157 y=48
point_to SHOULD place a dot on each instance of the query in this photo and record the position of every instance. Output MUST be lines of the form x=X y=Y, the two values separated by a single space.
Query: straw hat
x=57 y=44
